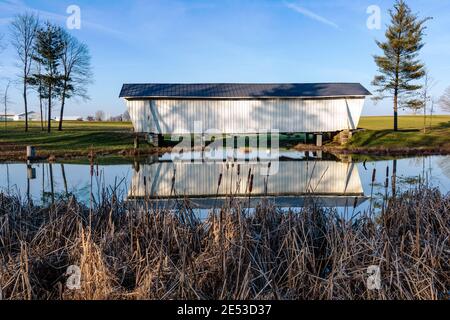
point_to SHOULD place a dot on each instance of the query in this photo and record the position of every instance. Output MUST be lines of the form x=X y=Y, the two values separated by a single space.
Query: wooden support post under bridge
x=319 y=139
x=136 y=142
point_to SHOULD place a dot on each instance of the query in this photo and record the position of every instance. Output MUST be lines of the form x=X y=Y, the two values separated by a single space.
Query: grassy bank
x=378 y=135
x=129 y=251
x=116 y=138
x=77 y=138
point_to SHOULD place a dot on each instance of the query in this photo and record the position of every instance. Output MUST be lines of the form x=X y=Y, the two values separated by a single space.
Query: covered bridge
x=233 y=108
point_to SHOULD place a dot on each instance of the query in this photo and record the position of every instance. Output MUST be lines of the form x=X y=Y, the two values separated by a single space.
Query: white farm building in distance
x=244 y=108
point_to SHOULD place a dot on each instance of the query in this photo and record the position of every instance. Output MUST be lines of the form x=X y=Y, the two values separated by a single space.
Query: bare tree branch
x=76 y=65
x=2 y=44
x=6 y=102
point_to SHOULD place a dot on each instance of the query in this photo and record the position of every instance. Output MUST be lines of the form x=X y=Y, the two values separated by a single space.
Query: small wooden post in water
x=31 y=172
x=31 y=152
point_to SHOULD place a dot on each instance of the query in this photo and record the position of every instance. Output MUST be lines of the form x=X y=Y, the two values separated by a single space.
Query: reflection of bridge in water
x=328 y=183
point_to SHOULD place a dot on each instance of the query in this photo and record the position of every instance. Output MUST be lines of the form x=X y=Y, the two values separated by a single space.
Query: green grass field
x=379 y=133
x=405 y=122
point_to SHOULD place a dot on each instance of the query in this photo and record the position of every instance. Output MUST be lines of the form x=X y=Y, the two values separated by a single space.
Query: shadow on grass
x=410 y=138
x=71 y=139
x=443 y=125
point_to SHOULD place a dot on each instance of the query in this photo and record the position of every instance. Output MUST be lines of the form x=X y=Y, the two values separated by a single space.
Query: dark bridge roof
x=242 y=90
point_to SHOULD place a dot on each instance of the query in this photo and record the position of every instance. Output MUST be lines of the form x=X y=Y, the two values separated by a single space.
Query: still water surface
x=287 y=183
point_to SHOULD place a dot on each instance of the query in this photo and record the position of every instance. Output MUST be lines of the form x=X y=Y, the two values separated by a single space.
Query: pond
x=289 y=180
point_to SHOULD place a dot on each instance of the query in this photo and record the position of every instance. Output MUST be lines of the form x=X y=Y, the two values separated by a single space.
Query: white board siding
x=201 y=179
x=245 y=116
x=140 y=115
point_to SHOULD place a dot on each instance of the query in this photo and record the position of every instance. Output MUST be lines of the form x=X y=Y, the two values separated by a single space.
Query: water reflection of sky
x=435 y=170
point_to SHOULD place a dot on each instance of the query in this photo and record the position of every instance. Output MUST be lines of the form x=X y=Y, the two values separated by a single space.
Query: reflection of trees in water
x=444 y=164
x=47 y=195
x=423 y=176
x=409 y=180
x=416 y=162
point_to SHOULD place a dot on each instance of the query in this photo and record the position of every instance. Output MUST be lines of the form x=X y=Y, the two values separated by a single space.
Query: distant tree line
x=100 y=116
x=52 y=62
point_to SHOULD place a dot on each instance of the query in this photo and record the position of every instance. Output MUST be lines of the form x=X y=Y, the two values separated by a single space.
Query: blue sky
x=227 y=41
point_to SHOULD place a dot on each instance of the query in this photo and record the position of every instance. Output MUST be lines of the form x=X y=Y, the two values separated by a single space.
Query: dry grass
x=128 y=251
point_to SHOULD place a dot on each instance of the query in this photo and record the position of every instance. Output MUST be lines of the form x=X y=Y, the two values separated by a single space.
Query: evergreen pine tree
x=48 y=49
x=399 y=66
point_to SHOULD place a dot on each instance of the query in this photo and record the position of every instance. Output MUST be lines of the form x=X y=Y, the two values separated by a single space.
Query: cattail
x=374 y=172
x=91 y=162
x=220 y=181
x=251 y=184
x=386 y=184
x=238 y=169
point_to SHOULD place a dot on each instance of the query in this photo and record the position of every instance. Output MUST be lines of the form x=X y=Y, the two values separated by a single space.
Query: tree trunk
x=63 y=102
x=49 y=124
x=397 y=81
x=25 y=103
x=396 y=111
x=42 y=116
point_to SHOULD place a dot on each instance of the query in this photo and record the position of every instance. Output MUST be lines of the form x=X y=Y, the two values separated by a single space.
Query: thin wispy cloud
x=311 y=15
x=13 y=7
x=5 y=20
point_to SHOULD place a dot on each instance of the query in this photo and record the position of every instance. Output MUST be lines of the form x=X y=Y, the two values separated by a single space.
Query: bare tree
x=426 y=96
x=76 y=65
x=444 y=100
x=99 y=115
x=126 y=116
x=2 y=45
x=420 y=100
x=23 y=33
x=433 y=103
x=5 y=103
